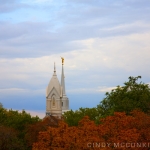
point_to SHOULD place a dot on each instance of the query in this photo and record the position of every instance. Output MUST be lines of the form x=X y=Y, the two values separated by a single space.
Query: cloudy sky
x=103 y=43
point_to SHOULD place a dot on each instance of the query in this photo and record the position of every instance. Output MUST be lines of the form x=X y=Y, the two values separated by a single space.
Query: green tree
x=9 y=139
x=15 y=119
x=18 y=121
x=133 y=95
x=73 y=117
x=1 y=105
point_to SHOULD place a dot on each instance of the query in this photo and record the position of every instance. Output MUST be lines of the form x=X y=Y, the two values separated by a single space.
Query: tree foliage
x=72 y=118
x=1 y=105
x=14 y=124
x=9 y=139
x=15 y=119
x=119 y=128
x=133 y=95
x=33 y=130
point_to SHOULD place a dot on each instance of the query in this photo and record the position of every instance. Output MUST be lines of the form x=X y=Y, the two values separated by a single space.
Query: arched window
x=53 y=101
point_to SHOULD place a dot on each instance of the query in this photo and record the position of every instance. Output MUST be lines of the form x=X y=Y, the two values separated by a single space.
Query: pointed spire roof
x=54 y=83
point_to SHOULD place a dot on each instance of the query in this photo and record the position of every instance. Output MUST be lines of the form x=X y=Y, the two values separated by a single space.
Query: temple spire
x=63 y=78
x=54 y=70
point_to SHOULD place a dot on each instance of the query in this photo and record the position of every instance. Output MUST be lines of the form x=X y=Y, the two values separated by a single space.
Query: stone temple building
x=57 y=101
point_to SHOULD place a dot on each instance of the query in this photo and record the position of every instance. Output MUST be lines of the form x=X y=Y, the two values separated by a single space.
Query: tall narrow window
x=62 y=103
x=53 y=101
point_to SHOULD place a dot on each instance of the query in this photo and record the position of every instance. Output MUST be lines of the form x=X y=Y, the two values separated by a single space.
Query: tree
x=68 y=138
x=9 y=139
x=72 y=118
x=1 y=105
x=18 y=122
x=131 y=129
x=126 y=98
x=120 y=128
x=33 y=130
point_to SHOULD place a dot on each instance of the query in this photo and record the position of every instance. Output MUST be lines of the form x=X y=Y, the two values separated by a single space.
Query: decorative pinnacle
x=54 y=68
x=62 y=60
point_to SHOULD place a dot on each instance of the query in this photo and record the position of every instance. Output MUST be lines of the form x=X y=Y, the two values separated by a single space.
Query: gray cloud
x=115 y=12
x=10 y=5
x=71 y=22
x=28 y=40
x=34 y=39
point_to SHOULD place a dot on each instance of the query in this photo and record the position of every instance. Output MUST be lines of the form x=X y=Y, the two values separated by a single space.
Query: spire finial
x=54 y=70
x=62 y=60
x=54 y=67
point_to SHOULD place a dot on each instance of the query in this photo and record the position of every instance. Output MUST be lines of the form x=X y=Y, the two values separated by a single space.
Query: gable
x=53 y=92
x=54 y=83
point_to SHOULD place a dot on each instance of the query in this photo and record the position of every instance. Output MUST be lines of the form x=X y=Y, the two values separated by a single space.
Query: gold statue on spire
x=62 y=60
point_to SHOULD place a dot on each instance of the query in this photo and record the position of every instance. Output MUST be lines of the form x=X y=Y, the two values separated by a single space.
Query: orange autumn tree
x=69 y=138
x=32 y=130
x=111 y=133
x=131 y=131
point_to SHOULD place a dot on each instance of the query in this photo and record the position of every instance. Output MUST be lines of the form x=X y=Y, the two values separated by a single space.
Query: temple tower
x=56 y=100
x=65 y=100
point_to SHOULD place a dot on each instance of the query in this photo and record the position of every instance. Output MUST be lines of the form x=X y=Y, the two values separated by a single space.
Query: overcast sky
x=103 y=43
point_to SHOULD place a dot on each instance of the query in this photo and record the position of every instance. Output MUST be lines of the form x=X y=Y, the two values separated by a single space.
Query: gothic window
x=53 y=101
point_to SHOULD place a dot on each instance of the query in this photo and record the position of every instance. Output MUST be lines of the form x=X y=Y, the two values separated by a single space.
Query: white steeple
x=54 y=96
x=63 y=81
x=56 y=99
x=65 y=100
